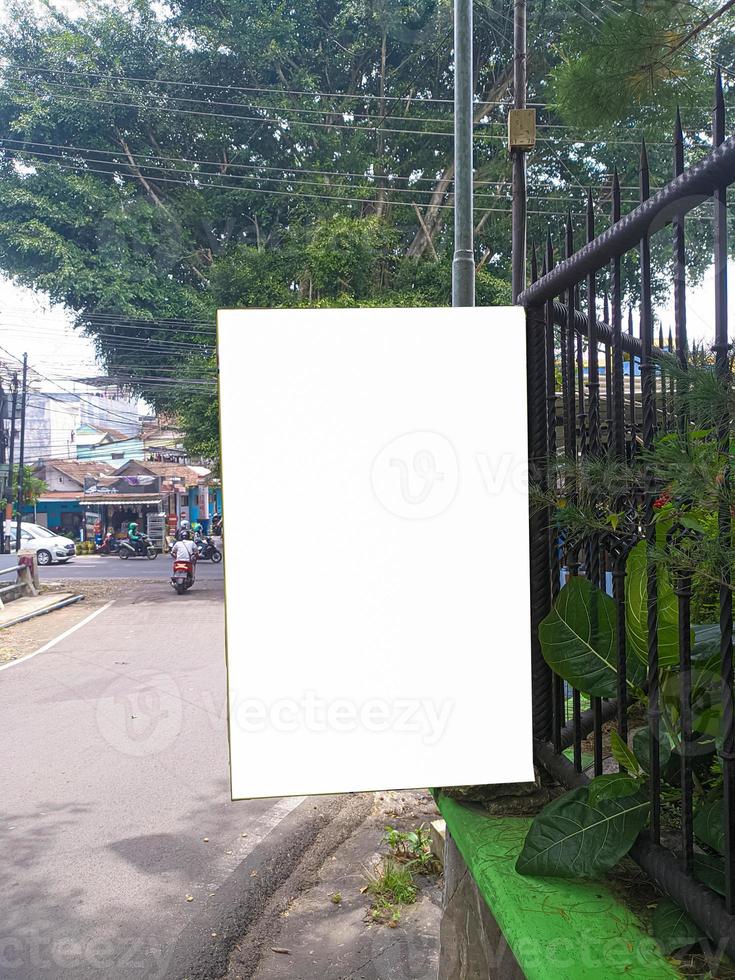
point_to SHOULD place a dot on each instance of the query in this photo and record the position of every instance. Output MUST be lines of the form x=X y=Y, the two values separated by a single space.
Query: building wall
x=50 y=428
x=199 y=503
x=114 y=453
x=55 y=480
x=53 y=514
x=52 y=420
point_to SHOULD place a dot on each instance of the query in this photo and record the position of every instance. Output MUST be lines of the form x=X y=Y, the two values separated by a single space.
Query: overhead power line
x=362 y=96
x=285 y=124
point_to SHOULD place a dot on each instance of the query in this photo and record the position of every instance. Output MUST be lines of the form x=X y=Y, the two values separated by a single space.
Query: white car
x=49 y=547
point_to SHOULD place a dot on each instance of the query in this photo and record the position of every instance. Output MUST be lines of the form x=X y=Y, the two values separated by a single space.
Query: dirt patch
x=322 y=927
x=20 y=640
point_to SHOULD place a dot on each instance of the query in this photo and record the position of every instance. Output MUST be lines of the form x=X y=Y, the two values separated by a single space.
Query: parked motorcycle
x=182 y=575
x=144 y=548
x=208 y=551
x=109 y=546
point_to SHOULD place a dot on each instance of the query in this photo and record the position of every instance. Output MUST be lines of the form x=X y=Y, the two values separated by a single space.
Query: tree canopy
x=159 y=161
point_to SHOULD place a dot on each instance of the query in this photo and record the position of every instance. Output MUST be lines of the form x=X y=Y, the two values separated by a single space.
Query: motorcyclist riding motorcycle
x=135 y=538
x=184 y=549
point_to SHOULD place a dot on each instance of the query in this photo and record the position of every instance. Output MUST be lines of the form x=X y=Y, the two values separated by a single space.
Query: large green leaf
x=710 y=869
x=642 y=747
x=636 y=610
x=673 y=928
x=709 y=825
x=573 y=838
x=578 y=640
x=623 y=754
x=612 y=786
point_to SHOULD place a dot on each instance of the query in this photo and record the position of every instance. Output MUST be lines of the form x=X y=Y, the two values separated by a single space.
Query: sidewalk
x=319 y=925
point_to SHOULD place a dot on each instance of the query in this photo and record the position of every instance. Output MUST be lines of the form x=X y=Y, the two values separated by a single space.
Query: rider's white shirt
x=184 y=550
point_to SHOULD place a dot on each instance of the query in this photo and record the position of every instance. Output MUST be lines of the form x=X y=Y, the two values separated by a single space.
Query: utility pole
x=3 y=477
x=11 y=454
x=463 y=265
x=21 y=453
x=518 y=206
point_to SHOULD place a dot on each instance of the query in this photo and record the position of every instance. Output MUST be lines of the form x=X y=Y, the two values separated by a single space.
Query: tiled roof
x=156 y=431
x=78 y=469
x=49 y=496
x=114 y=434
x=170 y=471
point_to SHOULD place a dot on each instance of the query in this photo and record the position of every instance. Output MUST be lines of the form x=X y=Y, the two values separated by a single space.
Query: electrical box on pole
x=521 y=130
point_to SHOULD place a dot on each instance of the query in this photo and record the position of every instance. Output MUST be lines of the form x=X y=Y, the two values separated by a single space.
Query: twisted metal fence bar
x=640 y=402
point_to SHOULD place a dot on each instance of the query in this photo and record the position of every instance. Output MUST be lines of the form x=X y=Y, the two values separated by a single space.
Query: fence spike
x=678 y=145
x=679 y=243
x=718 y=118
x=590 y=216
x=645 y=173
x=615 y=196
x=670 y=345
x=570 y=235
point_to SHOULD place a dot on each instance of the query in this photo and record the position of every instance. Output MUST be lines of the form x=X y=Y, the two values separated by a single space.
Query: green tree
x=159 y=162
x=33 y=488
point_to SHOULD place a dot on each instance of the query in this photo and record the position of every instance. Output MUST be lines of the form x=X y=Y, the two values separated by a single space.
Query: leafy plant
x=604 y=499
x=673 y=929
x=413 y=847
x=584 y=832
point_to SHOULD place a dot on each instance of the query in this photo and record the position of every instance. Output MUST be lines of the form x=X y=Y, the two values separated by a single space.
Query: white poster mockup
x=376 y=556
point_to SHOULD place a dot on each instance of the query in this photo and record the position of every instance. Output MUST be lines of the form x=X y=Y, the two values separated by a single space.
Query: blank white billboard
x=376 y=556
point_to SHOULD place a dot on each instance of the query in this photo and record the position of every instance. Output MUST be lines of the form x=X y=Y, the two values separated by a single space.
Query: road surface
x=109 y=567
x=116 y=826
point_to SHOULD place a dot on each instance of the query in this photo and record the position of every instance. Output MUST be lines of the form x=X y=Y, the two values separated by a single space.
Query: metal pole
x=463 y=265
x=21 y=452
x=3 y=478
x=11 y=454
x=518 y=205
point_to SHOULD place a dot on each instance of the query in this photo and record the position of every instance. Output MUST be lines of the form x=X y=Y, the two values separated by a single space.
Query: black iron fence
x=597 y=392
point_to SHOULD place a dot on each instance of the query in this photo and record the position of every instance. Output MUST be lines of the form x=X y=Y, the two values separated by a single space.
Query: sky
x=701 y=308
x=30 y=324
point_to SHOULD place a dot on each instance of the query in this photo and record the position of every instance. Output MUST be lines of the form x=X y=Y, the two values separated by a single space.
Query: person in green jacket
x=134 y=535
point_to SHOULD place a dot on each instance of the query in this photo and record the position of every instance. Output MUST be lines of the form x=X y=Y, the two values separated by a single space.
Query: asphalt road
x=110 y=567
x=116 y=826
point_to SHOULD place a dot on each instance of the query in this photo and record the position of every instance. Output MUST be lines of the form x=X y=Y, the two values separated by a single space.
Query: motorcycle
x=182 y=575
x=144 y=548
x=109 y=546
x=208 y=551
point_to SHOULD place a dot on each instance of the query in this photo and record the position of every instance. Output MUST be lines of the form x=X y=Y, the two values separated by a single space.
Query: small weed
x=412 y=847
x=385 y=913
x=390 y=882
x=336 y=898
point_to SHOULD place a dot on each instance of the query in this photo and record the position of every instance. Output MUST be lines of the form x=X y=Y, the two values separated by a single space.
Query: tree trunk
x=433 y=218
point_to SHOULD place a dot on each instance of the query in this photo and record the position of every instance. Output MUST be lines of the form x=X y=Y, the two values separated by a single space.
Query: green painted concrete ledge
x=556 y=927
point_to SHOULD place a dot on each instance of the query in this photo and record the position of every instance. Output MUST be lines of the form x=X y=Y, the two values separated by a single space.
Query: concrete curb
x=42 y=612
x=244 y=906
